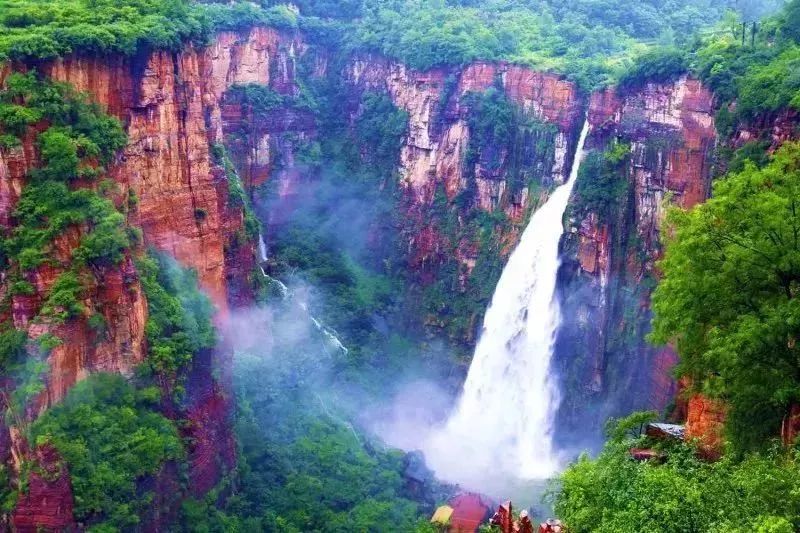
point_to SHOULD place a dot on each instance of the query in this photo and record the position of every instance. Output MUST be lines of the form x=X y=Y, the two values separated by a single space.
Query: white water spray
x=331 y=338
x=503 y=424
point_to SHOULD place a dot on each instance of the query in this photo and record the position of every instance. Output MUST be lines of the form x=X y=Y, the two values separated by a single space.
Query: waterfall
x=503 y=423
x=331 y=337
x=262 y=248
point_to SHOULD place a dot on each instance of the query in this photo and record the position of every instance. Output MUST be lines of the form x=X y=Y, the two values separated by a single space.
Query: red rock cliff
x=170 y=106
x=608 y=273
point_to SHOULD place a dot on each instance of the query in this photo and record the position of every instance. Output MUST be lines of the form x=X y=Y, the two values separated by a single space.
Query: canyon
x=177 y=106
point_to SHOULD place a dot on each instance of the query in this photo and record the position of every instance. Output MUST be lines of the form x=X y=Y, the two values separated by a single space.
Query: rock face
x=438 y=136
x=441 y=164
x=255 y=141
x=705 y=422
x=170 y=106
x=607 y=276
x=608 y=273
x=47 y=504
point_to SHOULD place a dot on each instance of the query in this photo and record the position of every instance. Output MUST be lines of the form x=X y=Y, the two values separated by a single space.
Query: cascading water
x=503 y=423
x=330 y=335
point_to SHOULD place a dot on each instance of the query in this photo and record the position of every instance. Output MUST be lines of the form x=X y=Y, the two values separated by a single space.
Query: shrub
x=616 y=493
x=657 y=66
x=259 y=98
x=771 y=87
x=602 y=180
x=110 y=437
x=30 y=29
x=64 y=298
x=179 y=315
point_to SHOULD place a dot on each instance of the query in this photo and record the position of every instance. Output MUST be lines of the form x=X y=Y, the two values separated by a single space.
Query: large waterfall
x=503 y=423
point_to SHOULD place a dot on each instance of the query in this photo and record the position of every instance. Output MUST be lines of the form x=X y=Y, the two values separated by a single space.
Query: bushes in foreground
x=613 y=492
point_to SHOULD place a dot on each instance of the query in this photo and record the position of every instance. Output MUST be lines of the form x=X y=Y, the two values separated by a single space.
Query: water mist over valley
x=384 y=265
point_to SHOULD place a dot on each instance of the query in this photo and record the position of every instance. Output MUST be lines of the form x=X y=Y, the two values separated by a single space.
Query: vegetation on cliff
x=752 y=76
x=110 y=431
x=326 y=238
x=592 y=42
x=78 y=139
x=44 y=30
x=601 y=184
x=614 y=492
x=727 y=299
x=179 y=315
x=110 y=434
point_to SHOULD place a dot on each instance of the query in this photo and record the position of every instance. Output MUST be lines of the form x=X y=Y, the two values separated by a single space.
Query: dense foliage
x=589 y=40
x=602 y=180
x=75 y=139
x=728 y=297
x=40 y=29
x=755 y=71
x=616 y=493
x=78 y=139
x=110 y=435
x=592 y=41
x=301 y=466
x=656 y=66
x=179 y=315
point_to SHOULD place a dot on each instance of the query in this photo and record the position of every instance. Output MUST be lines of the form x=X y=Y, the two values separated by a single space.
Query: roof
x=442 y=514
x=469 y=512
x=665 y=430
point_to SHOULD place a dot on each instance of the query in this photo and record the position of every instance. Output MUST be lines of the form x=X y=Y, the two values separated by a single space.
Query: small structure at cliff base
x=463 y=514
x=552 y=526
x=665 y=431
x=442 y=515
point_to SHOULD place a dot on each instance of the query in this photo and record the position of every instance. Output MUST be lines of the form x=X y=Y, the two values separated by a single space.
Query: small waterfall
x=262 y=249
x=503 y=423
x=331 y=338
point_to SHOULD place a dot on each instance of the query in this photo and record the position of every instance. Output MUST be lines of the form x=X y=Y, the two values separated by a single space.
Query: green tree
x=111 y=436
x=616 y=493
x=729 y=295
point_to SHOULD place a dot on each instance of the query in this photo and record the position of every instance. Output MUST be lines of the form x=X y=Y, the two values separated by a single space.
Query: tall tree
x=729 y=296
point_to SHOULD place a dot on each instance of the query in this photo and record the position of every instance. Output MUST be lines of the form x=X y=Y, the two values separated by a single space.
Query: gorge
x=510 y=372
x=252 y=250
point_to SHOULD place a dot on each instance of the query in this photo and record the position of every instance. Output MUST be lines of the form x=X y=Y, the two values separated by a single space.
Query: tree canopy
x=616 y=493
x=728 y=299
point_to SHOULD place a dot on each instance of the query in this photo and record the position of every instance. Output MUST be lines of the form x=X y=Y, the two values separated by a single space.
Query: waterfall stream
x=331 y=338
x=503 y=422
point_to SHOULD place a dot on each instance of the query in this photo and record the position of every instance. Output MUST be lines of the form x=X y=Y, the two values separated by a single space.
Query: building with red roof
x=469 y=512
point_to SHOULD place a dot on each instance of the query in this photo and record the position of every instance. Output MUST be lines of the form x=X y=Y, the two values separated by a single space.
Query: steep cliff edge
x=170 y=183
x=664 y=138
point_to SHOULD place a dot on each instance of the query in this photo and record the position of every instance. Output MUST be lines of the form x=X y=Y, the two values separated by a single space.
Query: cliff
x=175 y=190
x=465 y=197
x=466 y=193
x=608 y=273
